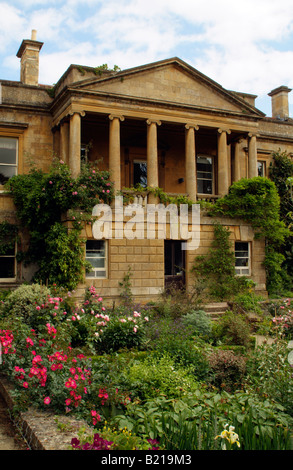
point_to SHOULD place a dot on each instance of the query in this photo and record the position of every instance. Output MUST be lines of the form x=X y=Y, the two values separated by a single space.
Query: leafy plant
x=199 y=322
x=228 y=370
x=217 y=268
x=233 y=329
x=42 y=201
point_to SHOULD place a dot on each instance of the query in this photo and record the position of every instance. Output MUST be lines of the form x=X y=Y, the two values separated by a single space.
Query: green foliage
x=126 y=293
x=21 y=303
x=198 y=322
x=42 y=200
x=228 y=370
x=256 y=201
x=8 y=237
x=281 y=173
x=168 y=336
x=270 y=374
x=259 y=424
x=64 y=249
x=217 y=268
x=232 y=329
x=156 y=376
x=122 y=331
x=174 y=390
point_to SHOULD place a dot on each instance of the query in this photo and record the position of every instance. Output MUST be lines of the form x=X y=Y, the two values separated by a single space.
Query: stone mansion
x=163 y=124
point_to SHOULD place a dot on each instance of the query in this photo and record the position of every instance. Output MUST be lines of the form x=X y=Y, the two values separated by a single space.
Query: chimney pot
x=29 y=59
x=280 y=102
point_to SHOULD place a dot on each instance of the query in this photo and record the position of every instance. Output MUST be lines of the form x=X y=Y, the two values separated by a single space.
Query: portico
x=231 y=153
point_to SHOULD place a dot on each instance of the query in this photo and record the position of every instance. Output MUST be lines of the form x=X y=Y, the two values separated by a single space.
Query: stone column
x=252 y=156
x=64 y=142
x=190 y=162
x=223 y=174
x=152 y=156
x=237 y=169
x=74 y=144
x=114 y=151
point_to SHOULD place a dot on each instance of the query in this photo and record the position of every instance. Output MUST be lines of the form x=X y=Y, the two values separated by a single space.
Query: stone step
x=215 y=309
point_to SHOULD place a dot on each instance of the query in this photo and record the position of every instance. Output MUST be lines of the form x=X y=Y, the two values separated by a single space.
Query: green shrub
x=232 y=329
x=248 y=302
x=120 y=332
x=156 y=376
x=22 y=302
x=228 y=370
x=270 y=373
x=198 y=322
x=171 y=337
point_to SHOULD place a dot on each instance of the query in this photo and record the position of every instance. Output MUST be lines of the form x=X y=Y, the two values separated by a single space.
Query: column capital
x=221 y=130
x=253 y=134
x=191 y=126
x=153 y=121
x=81 y=113
x=116 y=116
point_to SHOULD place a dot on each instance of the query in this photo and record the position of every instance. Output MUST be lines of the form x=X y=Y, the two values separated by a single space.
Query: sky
x=244 y=45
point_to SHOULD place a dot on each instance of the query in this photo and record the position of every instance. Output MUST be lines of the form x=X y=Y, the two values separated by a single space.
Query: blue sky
x=244 y=45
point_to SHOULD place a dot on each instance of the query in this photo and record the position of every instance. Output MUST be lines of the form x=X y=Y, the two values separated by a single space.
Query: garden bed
x=84 y=377
x=42 y=430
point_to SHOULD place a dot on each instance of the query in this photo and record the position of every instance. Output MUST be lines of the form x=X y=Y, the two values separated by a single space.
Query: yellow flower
x=231 y=436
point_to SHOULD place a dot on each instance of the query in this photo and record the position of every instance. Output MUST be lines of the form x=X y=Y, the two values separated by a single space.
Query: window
x=8 y=158
x=261 y=168
x=8 y=265
x=204 y=171
x=96 y=255
x=242 y=258
x=174 y=263
x=140 y=173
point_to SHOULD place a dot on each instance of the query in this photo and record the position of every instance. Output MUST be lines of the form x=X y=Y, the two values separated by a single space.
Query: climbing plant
x=43 y=200
x=217 y=268
x=257 y=201
x=281 y=173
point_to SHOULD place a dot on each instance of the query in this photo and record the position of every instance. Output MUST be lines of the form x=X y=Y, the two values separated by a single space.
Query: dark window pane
x=6 y=172
x=140 y=174
x=7 y=267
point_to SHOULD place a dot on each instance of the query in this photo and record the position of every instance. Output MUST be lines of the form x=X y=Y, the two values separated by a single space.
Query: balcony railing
x=139 y=196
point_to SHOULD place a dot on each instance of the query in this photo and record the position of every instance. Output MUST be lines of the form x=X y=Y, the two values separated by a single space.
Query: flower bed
x=136 y=386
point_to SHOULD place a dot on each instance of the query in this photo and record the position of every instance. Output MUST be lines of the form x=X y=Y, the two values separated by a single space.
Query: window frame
x=16 y=131
x=139 y=162
x=239 y=270
x=10 y=279
x=206 y=179
x=105 y=257
x=261 y=163
x=16 y=164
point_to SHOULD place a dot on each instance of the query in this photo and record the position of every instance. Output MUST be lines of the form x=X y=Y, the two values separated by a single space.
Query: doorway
x=174 y=258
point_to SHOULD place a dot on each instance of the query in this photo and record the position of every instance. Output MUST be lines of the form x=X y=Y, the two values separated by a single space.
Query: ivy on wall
x=257 y=201
x=8 y=237
x=42 y=200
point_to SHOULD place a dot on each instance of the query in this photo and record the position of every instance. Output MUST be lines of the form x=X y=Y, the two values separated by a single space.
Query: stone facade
x=187 y=133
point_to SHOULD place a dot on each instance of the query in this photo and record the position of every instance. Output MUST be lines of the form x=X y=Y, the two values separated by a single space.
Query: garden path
x=9 y=438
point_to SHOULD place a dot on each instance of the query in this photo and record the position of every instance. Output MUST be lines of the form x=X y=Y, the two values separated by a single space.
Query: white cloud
x=243 y=45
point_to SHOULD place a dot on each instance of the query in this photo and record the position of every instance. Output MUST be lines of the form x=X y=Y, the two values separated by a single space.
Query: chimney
x=280 y=102
x=29 y=60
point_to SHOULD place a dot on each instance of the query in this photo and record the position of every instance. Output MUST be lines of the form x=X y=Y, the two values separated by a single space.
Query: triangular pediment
x=169 y=81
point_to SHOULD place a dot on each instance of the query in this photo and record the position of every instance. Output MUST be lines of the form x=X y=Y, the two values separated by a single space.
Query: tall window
x=8 y=158
x=96 y=254
x=242 y=258
x=140 y=173
x=204 y=171
x=261 y=168
x=8 y=264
